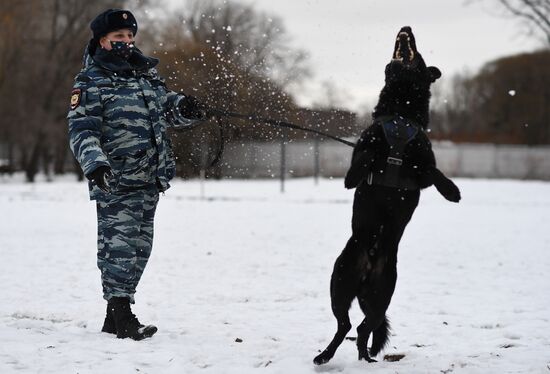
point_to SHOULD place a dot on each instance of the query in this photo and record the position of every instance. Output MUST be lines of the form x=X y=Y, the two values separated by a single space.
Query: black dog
x=391 y=162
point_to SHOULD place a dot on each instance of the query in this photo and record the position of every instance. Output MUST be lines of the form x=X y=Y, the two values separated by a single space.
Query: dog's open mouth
x=404 y=50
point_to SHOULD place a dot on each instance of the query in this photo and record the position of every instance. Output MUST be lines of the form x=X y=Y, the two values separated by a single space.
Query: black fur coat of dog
x=392 y=161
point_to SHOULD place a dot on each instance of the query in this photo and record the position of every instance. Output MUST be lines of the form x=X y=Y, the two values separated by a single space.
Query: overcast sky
x=350 y=41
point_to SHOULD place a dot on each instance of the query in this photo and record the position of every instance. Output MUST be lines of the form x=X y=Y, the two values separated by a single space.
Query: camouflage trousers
x=125 y=240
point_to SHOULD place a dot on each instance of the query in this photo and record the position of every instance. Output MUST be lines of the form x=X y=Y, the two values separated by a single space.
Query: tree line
x=506 y=102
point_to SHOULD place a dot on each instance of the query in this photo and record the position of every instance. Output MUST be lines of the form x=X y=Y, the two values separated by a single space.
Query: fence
x=331 y=159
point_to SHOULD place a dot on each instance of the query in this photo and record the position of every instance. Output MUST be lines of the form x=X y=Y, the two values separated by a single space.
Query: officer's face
x=123 y=35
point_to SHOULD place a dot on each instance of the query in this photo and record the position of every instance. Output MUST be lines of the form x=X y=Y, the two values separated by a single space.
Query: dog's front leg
x=359 y=168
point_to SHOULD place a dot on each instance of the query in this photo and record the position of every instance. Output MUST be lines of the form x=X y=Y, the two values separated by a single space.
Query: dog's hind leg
x=374 y=299
x=375 y=322
x=344 y=325
x=343 y=286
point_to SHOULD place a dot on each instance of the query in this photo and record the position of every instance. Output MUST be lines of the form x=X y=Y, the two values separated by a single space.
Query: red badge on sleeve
x=75 y=98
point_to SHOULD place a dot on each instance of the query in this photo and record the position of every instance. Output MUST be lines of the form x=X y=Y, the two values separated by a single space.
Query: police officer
x=120 y=110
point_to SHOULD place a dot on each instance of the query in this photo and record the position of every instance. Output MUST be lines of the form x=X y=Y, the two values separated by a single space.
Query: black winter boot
x=109 y=323
x=127 y=325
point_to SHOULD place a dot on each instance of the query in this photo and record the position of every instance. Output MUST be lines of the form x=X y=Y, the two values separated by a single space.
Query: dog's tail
x=380 y=337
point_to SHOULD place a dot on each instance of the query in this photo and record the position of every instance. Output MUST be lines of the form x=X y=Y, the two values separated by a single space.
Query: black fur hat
x=112 y=20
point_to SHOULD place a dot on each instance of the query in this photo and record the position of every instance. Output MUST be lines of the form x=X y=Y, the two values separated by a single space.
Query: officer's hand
x=190 y=107
x=101 y=177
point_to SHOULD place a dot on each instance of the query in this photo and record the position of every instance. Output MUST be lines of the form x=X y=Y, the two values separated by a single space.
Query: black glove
x=446 y=187
x=101 y=177
x=190 y=107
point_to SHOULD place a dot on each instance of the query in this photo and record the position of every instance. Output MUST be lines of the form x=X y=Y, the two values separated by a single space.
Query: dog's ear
x=434 y=73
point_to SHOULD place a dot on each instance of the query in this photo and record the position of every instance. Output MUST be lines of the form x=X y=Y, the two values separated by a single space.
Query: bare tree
x=238 y=34
x=232 y=57
x=535 y=14
x=41 y=49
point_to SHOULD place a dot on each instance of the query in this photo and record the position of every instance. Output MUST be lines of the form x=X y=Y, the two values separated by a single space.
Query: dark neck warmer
x=137 y=61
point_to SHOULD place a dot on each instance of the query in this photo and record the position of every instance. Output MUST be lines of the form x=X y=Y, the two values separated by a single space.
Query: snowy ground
x=473 y=294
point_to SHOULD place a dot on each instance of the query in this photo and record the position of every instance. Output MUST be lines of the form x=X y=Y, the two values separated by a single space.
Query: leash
x=219 y=114
x=273 y=122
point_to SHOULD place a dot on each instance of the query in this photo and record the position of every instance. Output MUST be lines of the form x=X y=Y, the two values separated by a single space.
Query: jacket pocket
x=132 y=171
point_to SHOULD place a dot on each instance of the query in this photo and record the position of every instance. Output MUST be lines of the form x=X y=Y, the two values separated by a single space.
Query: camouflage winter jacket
x=119 y=114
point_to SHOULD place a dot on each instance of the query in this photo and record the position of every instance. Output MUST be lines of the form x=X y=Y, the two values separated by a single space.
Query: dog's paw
x=445 y=186
x=454 y=197
x=449 y=190
x=322 y=358
x=366 y=357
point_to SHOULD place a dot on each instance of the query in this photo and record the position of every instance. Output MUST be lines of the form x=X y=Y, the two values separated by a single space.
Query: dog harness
x=398 y=132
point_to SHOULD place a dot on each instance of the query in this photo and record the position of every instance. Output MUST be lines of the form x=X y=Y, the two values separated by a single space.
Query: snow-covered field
x=249 y=263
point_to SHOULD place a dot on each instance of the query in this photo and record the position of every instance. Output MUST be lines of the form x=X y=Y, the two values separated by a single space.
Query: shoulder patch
x=76 y=94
